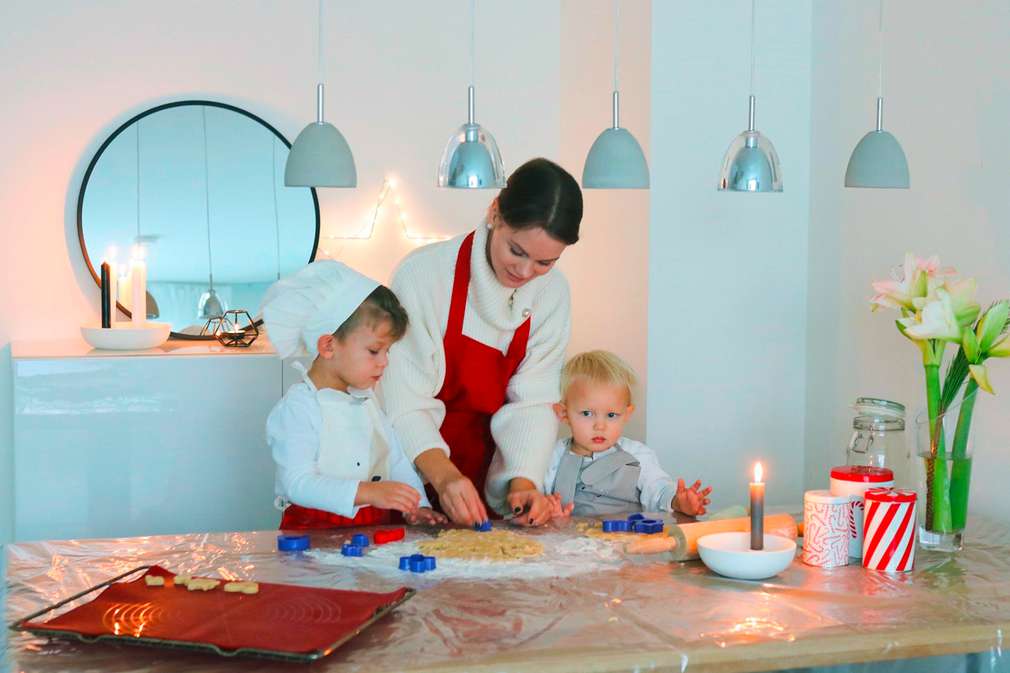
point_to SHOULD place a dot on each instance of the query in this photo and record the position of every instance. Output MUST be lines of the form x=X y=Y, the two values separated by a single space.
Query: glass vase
x=945 y=449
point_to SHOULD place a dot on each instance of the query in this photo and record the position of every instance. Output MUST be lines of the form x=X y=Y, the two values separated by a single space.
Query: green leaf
x=1001 y=349
x=992 y=324
x=957 y=374
x=981 y=376
x=970 y=345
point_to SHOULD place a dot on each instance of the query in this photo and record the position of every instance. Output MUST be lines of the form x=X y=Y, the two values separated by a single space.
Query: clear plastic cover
x=636 y=613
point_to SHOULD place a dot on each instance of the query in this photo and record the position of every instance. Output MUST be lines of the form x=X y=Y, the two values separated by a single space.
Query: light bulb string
x=206 y=192
x=273 y=184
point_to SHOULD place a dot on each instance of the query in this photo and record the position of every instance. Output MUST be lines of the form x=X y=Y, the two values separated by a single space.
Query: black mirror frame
x=128 y=124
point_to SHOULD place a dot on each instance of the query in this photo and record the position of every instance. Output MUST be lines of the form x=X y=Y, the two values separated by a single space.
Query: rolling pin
x=682 y=540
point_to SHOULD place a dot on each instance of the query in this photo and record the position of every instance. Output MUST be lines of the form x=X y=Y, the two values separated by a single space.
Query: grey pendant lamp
x=320 y=156
x=751 y=163
x=878 y=160
x=210 y=305
x=616 y=160
x=471 y=159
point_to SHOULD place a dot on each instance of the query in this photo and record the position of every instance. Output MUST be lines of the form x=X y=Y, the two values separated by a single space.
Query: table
x=648 y=615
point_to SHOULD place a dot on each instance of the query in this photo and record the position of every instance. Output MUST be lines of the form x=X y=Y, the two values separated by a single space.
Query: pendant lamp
x=210 y=305
x=751 y=163
x=616 y=160
x=471 y=159
x=878 y=160
x=320 y=156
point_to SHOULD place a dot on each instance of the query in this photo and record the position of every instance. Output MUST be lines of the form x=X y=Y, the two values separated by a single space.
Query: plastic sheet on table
x=651 y=615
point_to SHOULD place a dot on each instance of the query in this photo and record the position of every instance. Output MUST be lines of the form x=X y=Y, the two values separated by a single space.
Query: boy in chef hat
x=338 y=460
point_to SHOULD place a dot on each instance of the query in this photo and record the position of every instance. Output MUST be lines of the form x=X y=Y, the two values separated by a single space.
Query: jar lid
x=862 y=473
x=825 y=498
x=873 y=406
x=889 y=495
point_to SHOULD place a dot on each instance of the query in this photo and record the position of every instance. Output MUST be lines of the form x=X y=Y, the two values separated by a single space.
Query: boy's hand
x=388 y=495
x=531 y=507
x=691 y=501
x=425 y=516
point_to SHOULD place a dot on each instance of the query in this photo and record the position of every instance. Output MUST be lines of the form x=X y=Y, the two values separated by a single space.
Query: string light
x=389 y=193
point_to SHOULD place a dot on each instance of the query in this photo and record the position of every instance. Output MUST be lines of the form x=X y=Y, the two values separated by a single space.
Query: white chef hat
x=314 y=301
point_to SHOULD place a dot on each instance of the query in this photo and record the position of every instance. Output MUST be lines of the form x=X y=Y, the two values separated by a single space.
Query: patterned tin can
x=825 y=529
x=853 y=481
x=889 y=530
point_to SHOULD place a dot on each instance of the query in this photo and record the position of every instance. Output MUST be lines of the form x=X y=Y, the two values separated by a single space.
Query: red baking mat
x=281 y=618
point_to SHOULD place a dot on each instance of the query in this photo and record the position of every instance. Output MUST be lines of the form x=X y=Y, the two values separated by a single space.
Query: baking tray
x=282 y=621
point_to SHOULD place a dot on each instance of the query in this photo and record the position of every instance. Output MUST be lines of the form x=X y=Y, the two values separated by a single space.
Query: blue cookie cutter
x=292 y=542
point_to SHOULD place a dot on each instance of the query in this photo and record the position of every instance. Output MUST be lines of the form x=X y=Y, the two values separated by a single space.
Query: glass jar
x=878 y=438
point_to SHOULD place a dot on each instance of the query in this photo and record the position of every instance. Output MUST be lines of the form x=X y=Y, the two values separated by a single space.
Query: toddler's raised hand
x=691 y=501
x=388 y=495
x=558 y=510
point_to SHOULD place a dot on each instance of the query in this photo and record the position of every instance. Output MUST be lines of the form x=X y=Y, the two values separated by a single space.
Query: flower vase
x=945 y=451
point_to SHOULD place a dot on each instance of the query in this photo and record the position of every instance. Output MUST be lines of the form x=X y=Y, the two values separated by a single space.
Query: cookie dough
x=154 y=580
x=242 y=587
x=496 y=545
x=200 y=584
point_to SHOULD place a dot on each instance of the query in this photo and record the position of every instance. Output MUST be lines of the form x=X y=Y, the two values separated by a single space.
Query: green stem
x=938 y=496
x=960 y=478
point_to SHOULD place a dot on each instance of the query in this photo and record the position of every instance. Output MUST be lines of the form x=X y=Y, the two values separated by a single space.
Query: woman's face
x=518 y=256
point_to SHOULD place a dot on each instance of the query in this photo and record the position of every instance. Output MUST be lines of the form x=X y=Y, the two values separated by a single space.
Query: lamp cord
x=617 y=39
x=319 y=42
x=880 y=60
x=206 y=192
x=753 y=15
x=138 y=183
x=473 y=42
x=273 y=183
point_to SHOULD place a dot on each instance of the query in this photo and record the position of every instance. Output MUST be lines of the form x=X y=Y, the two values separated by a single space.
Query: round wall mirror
x=199 y=187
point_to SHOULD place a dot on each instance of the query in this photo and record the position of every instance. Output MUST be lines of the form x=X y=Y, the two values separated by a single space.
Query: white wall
x=397 y=73
x=947 y=95
x=608 y=268
x=728 y=271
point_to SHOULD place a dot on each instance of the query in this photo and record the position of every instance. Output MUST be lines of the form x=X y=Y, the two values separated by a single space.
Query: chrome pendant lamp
x=878 y=160
x=209 y=305
x=471 y=159
x=320 y=156
x=751 y=163
x=616 y=160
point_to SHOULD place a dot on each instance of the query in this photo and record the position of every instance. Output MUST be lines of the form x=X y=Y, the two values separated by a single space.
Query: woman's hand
x=457 y=495
x=388 y=495
x=691 y=501
x=425 y=516
x=529 y=505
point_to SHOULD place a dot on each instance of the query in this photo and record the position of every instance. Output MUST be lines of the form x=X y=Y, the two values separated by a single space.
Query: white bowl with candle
x=730 y=555
x=126 y=335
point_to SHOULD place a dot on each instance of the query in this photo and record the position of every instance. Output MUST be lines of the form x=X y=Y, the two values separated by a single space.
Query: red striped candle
x=889 y=530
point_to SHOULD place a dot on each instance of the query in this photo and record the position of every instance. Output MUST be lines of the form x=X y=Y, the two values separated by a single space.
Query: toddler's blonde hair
x=598 y=367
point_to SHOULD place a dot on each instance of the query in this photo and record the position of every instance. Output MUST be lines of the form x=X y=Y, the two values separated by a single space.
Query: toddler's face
x=596 y=413
x=362 y=356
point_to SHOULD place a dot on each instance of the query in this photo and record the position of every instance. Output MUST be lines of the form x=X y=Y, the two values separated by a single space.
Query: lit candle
x=138 y=286
x=757 y=510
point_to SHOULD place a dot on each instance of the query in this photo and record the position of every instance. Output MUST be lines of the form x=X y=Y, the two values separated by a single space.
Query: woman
x=469 y=389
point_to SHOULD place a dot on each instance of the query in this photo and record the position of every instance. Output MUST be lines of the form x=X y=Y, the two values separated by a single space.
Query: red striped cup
x=889 y=529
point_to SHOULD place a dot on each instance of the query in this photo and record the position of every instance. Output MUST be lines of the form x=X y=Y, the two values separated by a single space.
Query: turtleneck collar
x=489 y=297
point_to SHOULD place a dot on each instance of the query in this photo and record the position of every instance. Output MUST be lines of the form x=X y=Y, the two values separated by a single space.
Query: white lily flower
x=936 y=320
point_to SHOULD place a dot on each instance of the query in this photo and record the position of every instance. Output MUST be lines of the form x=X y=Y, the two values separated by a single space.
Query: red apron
x=305 y=518
x=476 y=377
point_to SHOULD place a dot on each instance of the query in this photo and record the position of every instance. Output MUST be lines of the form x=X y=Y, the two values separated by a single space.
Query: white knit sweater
x=525 y=428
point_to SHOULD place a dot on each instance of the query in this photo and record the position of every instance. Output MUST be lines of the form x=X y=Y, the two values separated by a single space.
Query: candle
x=110 y=259
x=106 y=297
x=757 y=510
x=138 y=287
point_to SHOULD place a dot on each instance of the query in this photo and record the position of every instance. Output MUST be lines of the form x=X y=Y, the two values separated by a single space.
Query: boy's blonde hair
x=598 y=367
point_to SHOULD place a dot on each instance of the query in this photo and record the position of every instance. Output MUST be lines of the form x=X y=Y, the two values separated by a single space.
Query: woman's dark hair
x=542 y=194
x=380 y=305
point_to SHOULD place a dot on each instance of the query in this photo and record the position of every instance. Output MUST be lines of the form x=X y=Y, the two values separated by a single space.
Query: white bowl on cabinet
x=125 y=336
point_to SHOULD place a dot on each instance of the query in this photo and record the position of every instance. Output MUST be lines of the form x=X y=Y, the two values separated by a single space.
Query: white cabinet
x=163 y=441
